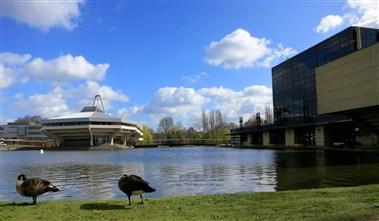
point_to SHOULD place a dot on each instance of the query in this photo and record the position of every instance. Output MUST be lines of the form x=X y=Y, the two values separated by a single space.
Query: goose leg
x=141 y=198
x=129 y=199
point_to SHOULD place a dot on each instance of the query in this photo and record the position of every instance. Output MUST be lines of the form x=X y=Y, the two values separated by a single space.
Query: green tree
x=147 y=135
x=193 y=136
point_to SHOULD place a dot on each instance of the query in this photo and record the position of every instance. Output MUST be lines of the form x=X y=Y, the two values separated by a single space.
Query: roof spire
x=98 y=102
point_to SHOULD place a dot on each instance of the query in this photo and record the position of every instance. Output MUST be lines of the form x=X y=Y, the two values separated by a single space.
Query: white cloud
x=124 y=113
x=69 y=97
x=18 y=68
x=277 y=54
x=357 y=13
x=10 y=66
x=56 y=102
x=186 y=104
x=195 y=78
x=240 y=49
x=364 y=13
x=87 y=91
x=47 y=105
x=244 y=103
x=10 y=58
x=43 y=14
x=329 y=22
x=175 y=101
x=220 y=94
x=7 y=76
x=65 y=67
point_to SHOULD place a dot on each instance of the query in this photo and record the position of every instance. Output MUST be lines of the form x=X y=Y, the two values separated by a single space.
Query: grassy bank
x=355 y=203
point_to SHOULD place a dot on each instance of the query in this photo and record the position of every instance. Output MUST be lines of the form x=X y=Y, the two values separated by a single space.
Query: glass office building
x=294 y=81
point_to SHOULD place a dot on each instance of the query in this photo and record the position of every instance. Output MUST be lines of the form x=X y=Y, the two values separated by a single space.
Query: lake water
x=186 y=170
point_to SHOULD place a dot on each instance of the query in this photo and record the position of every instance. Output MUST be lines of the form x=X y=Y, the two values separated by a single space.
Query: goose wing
x=140 y=184
x=35 y=186
x=132 y=183
x=138 y=179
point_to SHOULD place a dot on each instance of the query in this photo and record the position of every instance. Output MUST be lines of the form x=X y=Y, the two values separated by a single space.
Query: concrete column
x=266 y=138
x=359 y=38
x=112 y=140
x=249 y=139
x=57 y=142
x=124 y=140
x=290 y=137
x=91 y=137
x=320 y=136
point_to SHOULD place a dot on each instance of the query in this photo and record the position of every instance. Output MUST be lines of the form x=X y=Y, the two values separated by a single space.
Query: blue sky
x=150 y=59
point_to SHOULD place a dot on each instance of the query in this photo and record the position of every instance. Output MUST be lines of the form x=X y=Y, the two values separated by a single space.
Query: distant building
x=90 y=127
x=30 y=131
x=316 y=91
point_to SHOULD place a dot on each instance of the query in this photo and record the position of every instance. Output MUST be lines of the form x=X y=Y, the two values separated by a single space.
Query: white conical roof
x=88 y=114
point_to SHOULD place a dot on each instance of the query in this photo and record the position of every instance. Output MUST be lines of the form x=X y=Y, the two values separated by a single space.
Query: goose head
x=21 y=177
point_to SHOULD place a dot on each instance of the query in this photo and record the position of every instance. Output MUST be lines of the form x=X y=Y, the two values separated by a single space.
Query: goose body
x=134 y=185
x=33 y=187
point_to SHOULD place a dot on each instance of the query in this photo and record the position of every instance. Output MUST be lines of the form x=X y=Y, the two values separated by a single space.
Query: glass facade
x=369 y=36
x=294 y=82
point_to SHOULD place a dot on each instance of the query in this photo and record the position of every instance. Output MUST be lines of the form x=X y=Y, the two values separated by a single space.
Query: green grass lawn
x=353 y=203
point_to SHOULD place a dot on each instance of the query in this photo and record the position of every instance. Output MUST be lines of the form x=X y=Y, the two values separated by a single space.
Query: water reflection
x=185 y=171
x=315 y=169
x=172 y=171
x=215 y=178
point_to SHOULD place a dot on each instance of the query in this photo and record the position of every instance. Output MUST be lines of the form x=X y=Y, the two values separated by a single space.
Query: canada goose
x=134 y=185
x=33 y=187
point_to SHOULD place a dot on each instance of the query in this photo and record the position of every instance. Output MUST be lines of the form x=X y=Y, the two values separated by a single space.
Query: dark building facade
x=294 y=81
x=297 y=120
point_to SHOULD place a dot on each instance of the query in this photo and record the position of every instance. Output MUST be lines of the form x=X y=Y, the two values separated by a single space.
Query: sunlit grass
x=353 y=203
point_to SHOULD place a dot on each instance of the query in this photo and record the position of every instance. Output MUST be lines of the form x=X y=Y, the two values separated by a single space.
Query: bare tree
x=165 y=124
x=29 y=119
x=204 y=121
x=212 y=120
x=268 y=114
x=219 y=119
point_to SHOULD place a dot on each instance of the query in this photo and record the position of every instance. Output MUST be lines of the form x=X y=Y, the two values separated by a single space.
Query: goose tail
x=149 y=189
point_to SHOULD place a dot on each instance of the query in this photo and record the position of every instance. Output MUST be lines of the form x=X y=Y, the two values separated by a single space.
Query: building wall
x=22 y=131
x=294 y=84
x=350 y=82
x=294 y=87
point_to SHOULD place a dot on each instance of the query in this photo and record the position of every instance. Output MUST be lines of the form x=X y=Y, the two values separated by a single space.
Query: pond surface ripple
x=186 y=170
